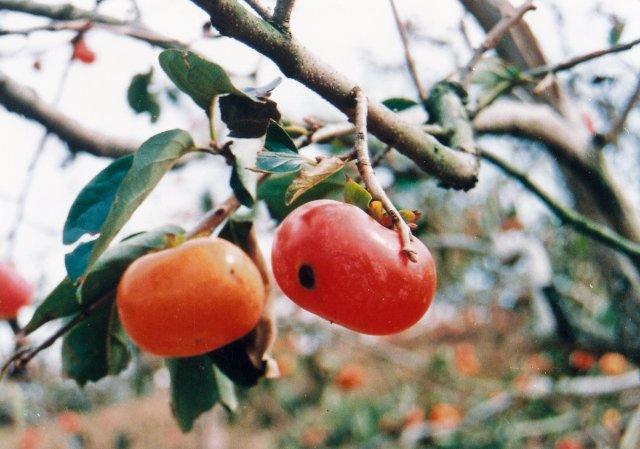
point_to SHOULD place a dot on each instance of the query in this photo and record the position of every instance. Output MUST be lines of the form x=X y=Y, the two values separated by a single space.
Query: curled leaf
x=312 y=175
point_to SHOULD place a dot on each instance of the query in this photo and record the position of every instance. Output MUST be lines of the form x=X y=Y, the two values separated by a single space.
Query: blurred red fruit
x=70 y=422
x=444 y=416
x=568 y=443
x=31 y=438
x=582 y=360
x=313 y=437
x=350 y=376
x=82 y=53
x=15 y=291
x=413 y=417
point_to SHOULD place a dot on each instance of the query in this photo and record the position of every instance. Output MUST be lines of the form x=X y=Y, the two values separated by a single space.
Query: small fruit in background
x=568 y=443
x=350 y=376
x=613 y=363
x=582 y=360
x=538 y=364
x=190 y=299
x=82 y=53
x=413 y=417
x=15 y=291
x=70 y=422
x=335 y=261
x=443 y=416
x=31 y=438
x=313 y=436
x=465 y=359
x=612 y=420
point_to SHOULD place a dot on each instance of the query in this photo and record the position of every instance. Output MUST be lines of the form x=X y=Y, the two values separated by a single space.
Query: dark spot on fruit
x=307 y=277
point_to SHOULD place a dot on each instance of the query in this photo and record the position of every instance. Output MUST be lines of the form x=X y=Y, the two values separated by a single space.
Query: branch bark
x=24 y=101
x=369 y=178
x=493 y=38
x=456 y=169
x=282 y=14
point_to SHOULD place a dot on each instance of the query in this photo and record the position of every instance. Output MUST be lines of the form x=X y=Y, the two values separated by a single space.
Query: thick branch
x=493 y=38
x=369 y=177
x=543 y=124
x=577 y=221
x=259 y=8
x=24 y=101
x=455 y=168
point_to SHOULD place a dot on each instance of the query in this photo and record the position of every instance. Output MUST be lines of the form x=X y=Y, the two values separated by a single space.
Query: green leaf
x=311 y=176
x=399 y=104
x=154 y=158
x=105 y=275
x=193 y=389
x=91 y=206
x=61 y=302
x=226 y=390
x=76 y=261
x=272 y=191
x=357 y=195
x=246 y=118
x=278 y=140
x=139 y=97
x=244 y=182
x=96 y=347
x=202 y=80
x=280 y=154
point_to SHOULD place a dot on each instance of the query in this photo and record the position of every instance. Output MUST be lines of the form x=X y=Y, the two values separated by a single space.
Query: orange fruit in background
x=313 y=436
x=613 y=363
x=444 y=416
x=70 y=422
x=15 y=291
x=582 y=360
x=465 y=359
x=337 y=262
x=612 y=420
x=82 y=52
x=31 y=438
x=350 y=376
x=191 y=299
x=413 y=417
x=568 y=443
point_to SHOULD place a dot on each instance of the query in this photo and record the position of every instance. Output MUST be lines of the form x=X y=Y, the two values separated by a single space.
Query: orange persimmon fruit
x=191 y=299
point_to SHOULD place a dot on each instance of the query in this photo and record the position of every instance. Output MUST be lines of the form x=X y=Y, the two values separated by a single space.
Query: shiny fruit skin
x=15 y=291
x=337 y=262
x=190 y=299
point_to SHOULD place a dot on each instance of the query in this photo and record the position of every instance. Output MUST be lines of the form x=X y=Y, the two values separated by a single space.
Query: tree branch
x=455 y=168
x=619 y=124
x=75 y=19
x=577 y=221
x=259 y=8
x=24 y=101
x=411 y=64
x=369 y=178
x=577 y=60
x=493 y=38
x=282 y=14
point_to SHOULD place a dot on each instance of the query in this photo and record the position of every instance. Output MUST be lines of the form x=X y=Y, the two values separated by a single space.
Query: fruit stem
x=369 y=178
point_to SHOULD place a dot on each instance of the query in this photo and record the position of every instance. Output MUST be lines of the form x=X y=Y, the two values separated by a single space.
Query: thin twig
x=631 y=437
x=282 y=14
x=571 y=63
x=369 y=177
x=258 y=7
x=577 y=221
x=214 y=217
x=29 y=175
x=411 y=64
x=493 y=38
x=619 y=124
